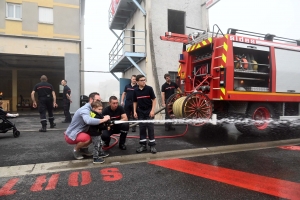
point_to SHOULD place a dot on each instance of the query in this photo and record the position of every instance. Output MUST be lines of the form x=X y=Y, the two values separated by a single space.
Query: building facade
x=40 y=37
x=139 y=50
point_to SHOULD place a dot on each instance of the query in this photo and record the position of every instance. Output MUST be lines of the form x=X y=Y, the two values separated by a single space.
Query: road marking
x=6 y=189
x=54 y=167
x=85 y=178
x=258 y=183
x=38 y=185
x=295 y=148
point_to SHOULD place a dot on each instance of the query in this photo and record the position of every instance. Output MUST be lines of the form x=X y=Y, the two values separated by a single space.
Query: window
x=176 y=21
x=46 y=15
x=13 y=11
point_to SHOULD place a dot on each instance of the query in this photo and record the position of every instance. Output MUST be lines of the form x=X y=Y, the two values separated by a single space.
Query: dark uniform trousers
x=67 y=110
x=46 y=104
x=128 y=108
x=115 y=129
x=143 y=114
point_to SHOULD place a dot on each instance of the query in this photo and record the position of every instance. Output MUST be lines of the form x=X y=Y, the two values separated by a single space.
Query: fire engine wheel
x=197 y=105
x=169 y=105
x=260 y=115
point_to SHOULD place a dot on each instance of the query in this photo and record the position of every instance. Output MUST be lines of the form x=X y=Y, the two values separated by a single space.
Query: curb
x=43 y=168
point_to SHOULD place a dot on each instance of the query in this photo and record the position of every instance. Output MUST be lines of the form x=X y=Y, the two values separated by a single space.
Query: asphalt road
x=41 y=166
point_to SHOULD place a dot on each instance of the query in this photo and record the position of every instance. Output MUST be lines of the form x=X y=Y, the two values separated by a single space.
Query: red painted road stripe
x=6 y=189
x=296 y=148
x=38 y=185
x=258 y=183
x=85 y=178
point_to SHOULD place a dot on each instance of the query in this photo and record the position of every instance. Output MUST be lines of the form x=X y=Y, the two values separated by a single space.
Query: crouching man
x=116 y=112
x=77 y=132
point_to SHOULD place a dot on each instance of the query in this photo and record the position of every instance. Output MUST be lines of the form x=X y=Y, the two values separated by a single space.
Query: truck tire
x=259 y=114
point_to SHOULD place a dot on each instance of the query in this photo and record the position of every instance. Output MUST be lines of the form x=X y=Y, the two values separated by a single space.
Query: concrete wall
x=72 y=75
x=167 y=53
x=30 y=13
x=66 y=21
x=2 y=14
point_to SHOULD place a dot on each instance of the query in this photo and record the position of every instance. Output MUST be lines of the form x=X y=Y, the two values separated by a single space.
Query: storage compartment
x=251 y=67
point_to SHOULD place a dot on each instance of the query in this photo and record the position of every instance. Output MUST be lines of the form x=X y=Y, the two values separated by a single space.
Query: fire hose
x=114 y=136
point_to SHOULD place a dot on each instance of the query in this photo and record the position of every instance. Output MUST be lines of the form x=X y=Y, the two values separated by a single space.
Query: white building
x=138 y=49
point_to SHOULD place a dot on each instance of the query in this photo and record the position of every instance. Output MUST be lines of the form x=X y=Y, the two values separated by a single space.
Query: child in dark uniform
x=95 y=132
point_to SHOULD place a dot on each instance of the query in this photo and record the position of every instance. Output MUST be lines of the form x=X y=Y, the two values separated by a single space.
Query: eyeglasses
x=143 y=80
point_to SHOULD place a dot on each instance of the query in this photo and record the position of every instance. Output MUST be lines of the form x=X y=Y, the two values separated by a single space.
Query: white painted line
x=54 y=167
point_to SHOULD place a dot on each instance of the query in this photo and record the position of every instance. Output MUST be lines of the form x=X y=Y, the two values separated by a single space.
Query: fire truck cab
x=240 y=73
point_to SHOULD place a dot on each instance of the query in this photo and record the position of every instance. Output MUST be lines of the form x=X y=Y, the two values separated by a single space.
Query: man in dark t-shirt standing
x=167 y=90
x=67 y=101
x=47 y=101
x=115 y=112
x=128 y=95
x=144 y=102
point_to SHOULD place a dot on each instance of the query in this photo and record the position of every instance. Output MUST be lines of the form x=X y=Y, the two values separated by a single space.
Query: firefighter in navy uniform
x=144 y=101
x=47 y=101
x=167 y=90
x=116 y=112
x=128 y=93
x=67 y=101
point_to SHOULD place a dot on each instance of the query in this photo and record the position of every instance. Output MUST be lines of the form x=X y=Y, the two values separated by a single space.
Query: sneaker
x=103 y=154
x=77 y=155
x=133 y=129
x=98 y=160
x=105 y=145
x=141 y=149
x=122 y=146
x=153 y=150
x=52 y=125
x=86 y=152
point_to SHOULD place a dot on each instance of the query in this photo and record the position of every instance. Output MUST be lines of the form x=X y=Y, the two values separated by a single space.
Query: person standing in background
x=128 y=93
x=47 y=101
x=67 y=101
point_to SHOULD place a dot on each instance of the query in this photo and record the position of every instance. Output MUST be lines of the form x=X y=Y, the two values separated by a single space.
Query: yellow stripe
x=198 y=46
x=179 y=69
x=225 y=46
x=210 y=40
x=66 y=36
x=204 y=43
x=226 y=36
x=224 y=58
x=65 y=5
x=223 y=90
x=193 y=47
x=221 y=98
x=188 y=49
x=222 y=66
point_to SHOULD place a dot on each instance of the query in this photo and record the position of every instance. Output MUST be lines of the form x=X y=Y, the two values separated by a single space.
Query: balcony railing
x=130 y=41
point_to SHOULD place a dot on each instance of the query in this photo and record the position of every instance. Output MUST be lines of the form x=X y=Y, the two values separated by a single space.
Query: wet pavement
x=192 y=163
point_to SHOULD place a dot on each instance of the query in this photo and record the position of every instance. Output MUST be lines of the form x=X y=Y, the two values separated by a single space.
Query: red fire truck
x=240 y=73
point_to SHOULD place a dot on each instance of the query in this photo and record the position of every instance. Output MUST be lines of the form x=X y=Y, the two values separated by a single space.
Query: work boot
x=141 y=148
x=122 y=146
x=52 y=125
x=43 y=129
x=153 y=150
